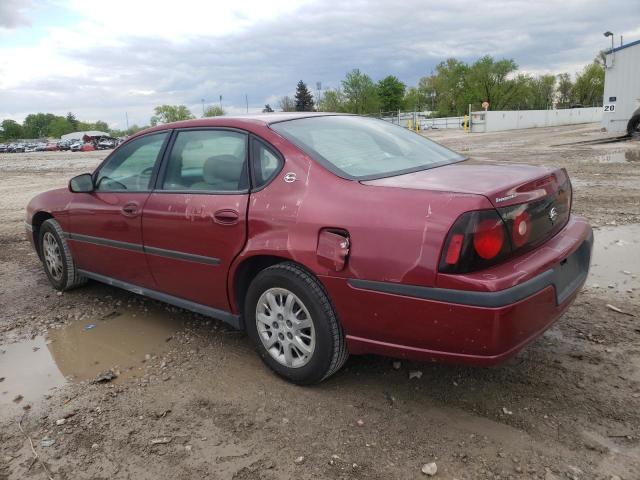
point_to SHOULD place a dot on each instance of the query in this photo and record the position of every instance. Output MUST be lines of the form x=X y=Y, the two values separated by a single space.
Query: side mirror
x=81 y=184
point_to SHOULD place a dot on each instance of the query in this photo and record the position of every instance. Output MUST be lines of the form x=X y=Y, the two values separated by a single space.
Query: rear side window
x=266 y=163
x=209 y=161
x=364 y=148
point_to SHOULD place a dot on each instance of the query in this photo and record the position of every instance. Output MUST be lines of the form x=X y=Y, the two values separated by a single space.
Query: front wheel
x=56 y=257
x=293 y=325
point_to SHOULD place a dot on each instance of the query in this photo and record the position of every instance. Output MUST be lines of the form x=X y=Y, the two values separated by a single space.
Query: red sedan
x=323 y=235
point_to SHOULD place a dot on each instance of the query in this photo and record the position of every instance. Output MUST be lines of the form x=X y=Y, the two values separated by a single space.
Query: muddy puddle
x=615 y=264
x=620 y=156
x=80 y=351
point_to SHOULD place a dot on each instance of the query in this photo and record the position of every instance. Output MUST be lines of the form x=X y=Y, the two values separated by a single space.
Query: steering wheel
x=145 y=173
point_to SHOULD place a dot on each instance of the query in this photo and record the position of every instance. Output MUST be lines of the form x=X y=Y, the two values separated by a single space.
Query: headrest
x=222 y=168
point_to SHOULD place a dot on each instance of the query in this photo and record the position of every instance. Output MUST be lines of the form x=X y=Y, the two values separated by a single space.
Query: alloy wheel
x=52 y=255
x=285 y=327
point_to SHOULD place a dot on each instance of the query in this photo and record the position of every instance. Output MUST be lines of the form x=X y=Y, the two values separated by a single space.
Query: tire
x=307 y=328
x=56 y=257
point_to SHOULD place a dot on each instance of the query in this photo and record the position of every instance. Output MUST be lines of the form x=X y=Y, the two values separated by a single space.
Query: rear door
x=194 y=222
x=105 y=226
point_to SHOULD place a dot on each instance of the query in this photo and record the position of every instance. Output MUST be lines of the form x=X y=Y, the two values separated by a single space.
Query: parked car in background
x=323 y=235
x=87 y=147
x=16 y=148
x=64 y=145
x=30 y=148
x=52 y=147
x=3 y=147
x=41 y=147
x=107 y=144
x=75 y=146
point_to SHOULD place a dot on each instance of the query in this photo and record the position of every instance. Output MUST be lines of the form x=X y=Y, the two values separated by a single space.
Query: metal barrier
x=408 y=119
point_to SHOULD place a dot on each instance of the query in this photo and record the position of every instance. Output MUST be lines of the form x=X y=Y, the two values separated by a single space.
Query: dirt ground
x=194 y=401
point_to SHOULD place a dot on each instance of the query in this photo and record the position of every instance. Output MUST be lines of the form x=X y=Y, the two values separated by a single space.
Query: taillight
x=477 y=240
x=488 y=238
x=483 y=238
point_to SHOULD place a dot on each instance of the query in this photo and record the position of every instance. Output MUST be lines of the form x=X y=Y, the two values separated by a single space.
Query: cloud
x=13 y=13
x=131 y=56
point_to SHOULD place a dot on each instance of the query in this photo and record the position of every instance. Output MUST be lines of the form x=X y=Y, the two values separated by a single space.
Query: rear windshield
x=364 y=148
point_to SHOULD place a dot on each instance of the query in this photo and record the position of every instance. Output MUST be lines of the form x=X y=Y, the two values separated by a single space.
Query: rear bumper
x=463 y=326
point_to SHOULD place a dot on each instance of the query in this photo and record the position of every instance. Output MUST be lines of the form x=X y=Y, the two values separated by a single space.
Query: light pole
x=203 y=107
x=609 y=34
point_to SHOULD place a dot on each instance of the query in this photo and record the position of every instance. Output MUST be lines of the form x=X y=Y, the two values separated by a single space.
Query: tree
x=490 y=80
x=360 y=93
x=214 y=111
x=11 y=130
x=71 y=118
x=416 y=99
x=452 y=93
x=101 y=126
x=286 y=104
x=60 y=126
x=565 y=86
x=36 y=125
x=391 y=94
x=303 y=98
x=589 y=86
x=541 y=92
x=170 y=113
x=267 y=109
x=333 y=101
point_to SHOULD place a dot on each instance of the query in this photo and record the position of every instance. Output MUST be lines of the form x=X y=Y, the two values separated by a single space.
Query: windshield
x=364 y=148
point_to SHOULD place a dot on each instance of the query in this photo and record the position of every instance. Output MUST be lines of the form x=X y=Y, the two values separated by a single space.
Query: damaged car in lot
x=323 y=235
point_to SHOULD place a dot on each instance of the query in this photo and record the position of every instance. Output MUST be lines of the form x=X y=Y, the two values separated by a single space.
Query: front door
x=105 y=226
x=194 y=222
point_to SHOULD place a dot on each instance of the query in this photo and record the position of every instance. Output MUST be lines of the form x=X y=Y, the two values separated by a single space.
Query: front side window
x=208 y=160
x=364 y=148
x=131 y=166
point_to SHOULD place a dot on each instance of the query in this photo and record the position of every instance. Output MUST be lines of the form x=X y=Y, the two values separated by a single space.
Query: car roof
x=237 y=120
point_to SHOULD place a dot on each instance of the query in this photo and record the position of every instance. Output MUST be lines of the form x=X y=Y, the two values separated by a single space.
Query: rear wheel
x=56 y=257
x=293 y=325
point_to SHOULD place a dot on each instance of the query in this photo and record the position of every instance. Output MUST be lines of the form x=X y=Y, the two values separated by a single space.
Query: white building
x=80 y=135
x=622 y=89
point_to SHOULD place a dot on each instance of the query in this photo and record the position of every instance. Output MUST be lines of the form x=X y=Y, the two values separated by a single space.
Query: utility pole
x=246 y=99
x=220 y=102
x=203 y=107
x=126 y=117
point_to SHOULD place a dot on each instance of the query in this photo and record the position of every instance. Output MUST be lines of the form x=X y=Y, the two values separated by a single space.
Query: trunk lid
x=534 y=202
x=504 y=184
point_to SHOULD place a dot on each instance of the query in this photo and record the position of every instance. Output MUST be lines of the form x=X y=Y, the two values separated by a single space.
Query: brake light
x=477 y=240
x=488 y=238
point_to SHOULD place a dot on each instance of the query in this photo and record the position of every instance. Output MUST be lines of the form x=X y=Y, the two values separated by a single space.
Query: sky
x=108 y=60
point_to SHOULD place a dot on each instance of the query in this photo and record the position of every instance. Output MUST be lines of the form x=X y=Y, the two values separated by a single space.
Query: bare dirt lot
x=194 y=401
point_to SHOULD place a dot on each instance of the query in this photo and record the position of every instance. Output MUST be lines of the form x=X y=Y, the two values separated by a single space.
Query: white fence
x=407 y=119
x=496 y=121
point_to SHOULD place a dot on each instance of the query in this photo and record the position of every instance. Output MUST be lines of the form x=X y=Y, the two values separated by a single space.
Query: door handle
x=226 y=216
x=130 y=209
